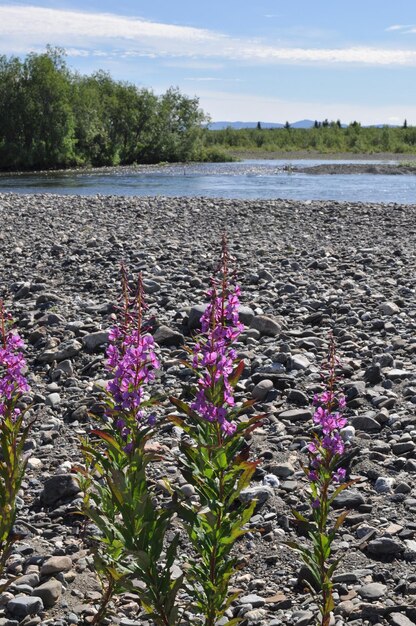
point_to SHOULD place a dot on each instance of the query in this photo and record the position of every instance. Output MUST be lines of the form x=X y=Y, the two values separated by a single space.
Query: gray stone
x=165 y=336
x=195 y=314
x=303 y=618
x=365 y=423
x=298 y=397
x=299 y=362
x=296 y=415
x=385 y=546
x=373 y=375
x=59 y=487
x=94 y=341
x=398 y=374
x=50 y=591
x=253 y=599
x=388 y=308
x=151 y=286
x=266 y=325
x=348 y=499
x=283 y=470
x=372 y=591
x=398 y=619
x=53 y=400
x=21 y=606
x=262 y=389
x=66 y=350
x=259 y=493
x=384 y=484
x=56 y=564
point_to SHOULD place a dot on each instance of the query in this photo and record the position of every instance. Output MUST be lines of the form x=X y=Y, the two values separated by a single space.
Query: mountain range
x=299 y=124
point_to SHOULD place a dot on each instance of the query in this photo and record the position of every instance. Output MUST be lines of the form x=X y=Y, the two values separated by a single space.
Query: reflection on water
x=246 y=180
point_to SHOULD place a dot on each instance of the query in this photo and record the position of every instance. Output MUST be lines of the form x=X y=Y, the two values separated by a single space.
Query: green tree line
x=324 y=137
x=51 y=116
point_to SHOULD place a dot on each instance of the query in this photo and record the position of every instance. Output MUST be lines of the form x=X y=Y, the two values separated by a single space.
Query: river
x=252 y=179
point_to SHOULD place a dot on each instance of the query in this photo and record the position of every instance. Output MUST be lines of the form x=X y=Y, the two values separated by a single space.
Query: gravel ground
x=305 y=269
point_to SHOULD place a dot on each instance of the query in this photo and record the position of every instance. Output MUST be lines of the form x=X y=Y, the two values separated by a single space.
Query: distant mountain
x=303 y=124
x=239 y=125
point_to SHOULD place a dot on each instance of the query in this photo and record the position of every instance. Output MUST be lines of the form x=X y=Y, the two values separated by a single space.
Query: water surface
x=256 y=179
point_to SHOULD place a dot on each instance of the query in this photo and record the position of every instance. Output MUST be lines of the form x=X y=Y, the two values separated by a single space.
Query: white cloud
x=401 y=27
x=24 y=28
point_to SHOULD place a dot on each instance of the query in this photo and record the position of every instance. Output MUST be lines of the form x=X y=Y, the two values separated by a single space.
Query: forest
x=53 y=117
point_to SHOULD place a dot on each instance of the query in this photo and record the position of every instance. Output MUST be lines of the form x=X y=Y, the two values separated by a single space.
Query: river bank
x=313 y=267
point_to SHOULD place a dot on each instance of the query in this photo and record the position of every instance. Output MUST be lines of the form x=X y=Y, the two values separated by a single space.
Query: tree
x=404 y=124
x=287 y=125
x=258 y=125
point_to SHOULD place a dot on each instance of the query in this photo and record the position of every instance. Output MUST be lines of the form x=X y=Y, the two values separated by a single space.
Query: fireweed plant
x=131 y=552
x=214 y=457
x=13 y=433
x=326 y=480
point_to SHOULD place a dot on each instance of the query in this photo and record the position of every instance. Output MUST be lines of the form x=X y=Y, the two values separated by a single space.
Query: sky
x=256 y=60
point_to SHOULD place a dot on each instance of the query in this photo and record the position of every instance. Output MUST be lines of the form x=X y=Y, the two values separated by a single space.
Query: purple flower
x=132 y=361
x=12 y=365
x=214 y=356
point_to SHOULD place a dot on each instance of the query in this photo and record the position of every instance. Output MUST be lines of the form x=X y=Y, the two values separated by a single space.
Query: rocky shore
x=305 y=269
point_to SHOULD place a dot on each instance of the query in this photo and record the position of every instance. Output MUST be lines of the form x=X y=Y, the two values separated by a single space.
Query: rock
x=296 y=415
x=66 y=350
x=165 y=336
x=253 y=599
x=372 y=591
x=384 y=484
x=50 y=591
x=94 y=341
x=195 y=314
x=373 y=375
x=297 y=397
x=266 y=325
x=397 y=374
x=53 y=400
x=385 y=546
x=299 y=362
x=365 y=423
x=262 y=389
x=259 y=493
x=388 y=308
x=398 y=619
x=59 y=487
x=21 y=606
x=56 y=564
x=283 y=470
x=271 y=481
x=348 y=499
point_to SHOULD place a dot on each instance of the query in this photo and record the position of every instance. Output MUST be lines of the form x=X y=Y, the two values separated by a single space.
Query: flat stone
x=283 y=470
x=388 y=308
x=372 y=591
x=94 y=341
x=260 y=493
x=266 y=325
x=365 y=423
x=397 y=374
x=59 y=487
x=50 y=592
x=253 y=599
x=56 y=564
x=165 y=336
x=299 y=362
x=21 y=606
x=398 y=619
x=296 y=415
x=348 y=499
x=385 y=546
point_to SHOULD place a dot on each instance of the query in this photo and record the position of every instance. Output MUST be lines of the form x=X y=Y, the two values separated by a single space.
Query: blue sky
x=269 y=60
